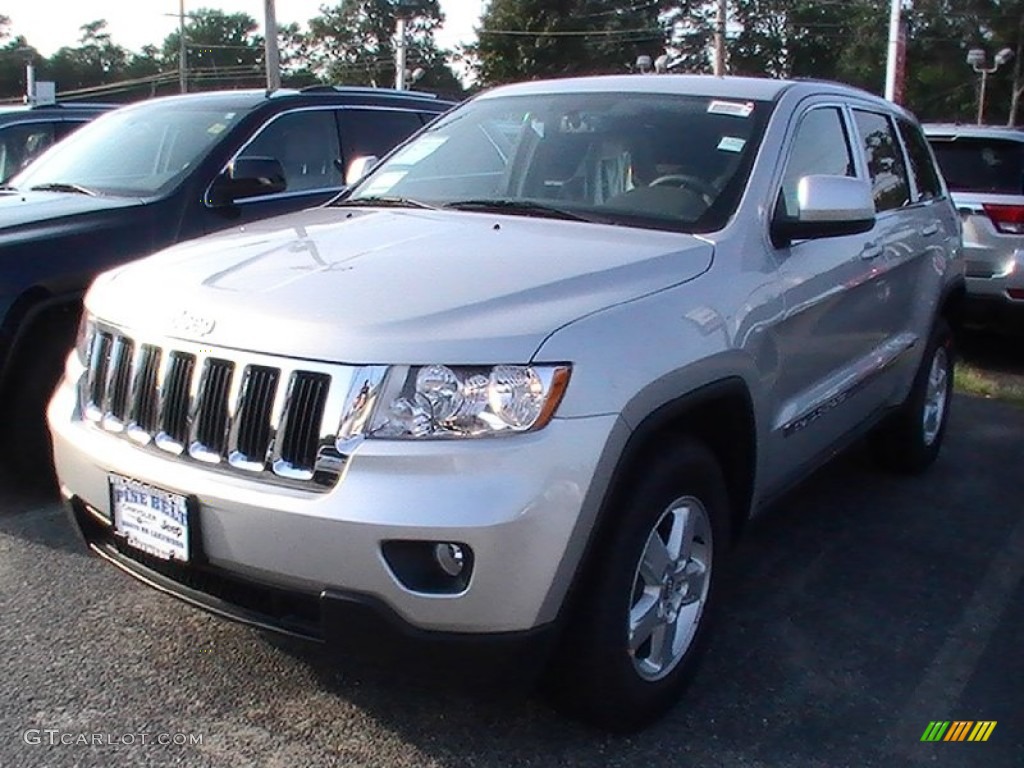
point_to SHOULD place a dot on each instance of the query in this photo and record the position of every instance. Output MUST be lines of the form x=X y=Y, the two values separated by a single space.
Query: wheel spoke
x=656 y=559
x=644 y=618
x=680 y=536
x=694 y=574
x=662 y=646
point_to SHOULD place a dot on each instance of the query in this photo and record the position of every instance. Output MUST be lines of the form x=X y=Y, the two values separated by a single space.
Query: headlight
x=434 y=401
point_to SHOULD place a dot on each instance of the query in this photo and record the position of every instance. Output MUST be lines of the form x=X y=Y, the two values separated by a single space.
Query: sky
x=50 y=24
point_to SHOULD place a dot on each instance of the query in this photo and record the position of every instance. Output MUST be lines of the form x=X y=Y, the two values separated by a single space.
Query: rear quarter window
x=981 y=165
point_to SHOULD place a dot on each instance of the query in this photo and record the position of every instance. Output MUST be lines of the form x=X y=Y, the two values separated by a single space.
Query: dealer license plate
x=150 y=519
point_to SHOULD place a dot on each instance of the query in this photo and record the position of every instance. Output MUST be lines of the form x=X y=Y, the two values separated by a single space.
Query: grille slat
x=174 y=418
x=301 y=423
x=120 y=380
x=254 y=414
x=222 y=410
x=211 y=420
x=98 y=370
x=144 y=396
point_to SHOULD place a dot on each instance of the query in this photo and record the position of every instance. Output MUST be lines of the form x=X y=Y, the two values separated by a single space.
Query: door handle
x=871 y=251
x=930 y=230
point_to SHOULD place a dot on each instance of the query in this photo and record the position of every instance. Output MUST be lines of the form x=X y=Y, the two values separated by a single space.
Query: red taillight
x=1016 y=293
x=1009 y=219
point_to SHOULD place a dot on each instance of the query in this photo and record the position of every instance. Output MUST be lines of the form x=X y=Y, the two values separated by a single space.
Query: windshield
x=134 y=152
x=638 y=159
x=981 y=165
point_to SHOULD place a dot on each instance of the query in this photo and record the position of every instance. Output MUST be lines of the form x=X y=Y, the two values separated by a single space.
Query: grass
x=973 y=381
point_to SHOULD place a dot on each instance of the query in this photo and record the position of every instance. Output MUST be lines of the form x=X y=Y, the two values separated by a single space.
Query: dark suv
x=152 y=174
x=27 y=131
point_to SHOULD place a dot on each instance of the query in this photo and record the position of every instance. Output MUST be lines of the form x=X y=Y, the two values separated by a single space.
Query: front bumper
x=514 y=501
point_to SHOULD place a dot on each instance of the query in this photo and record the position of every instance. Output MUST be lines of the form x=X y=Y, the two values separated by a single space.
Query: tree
x=223 y=50
x=526 y=39
x=96 y=60
x=353 y=42
x=14 y=53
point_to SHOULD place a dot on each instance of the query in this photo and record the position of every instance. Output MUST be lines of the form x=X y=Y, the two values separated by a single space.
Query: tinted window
x=820 y=146
x=376 y=131
x=981 y=165
x=921 y=164
x=135 y=151
x=884 y=160
x=306 y=145
x=19 y=144
x=647 y=160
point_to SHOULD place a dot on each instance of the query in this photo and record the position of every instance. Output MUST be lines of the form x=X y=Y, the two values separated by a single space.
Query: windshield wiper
x=517 y=207
x=63 y=186
x=384 y=201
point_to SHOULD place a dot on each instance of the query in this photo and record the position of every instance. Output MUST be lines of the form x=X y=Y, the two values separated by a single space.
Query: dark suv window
x=376 y=131
x=305 y=142
x=20 y=143
x=884 y=160
x=928 y=186
x=981 y=165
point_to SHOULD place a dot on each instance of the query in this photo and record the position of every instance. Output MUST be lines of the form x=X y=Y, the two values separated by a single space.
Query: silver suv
x=525 y=383
x=984 y=169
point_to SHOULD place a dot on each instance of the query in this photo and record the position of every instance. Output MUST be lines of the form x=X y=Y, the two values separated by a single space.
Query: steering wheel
x=705 y=189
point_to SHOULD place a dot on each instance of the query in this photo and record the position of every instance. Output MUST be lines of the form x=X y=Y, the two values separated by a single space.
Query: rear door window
x=921 y=164
x=376 y=131
x=884 y=159
x=981 y=165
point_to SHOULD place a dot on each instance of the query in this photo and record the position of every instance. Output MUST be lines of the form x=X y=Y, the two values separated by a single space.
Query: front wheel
x=640 y=627
x=910 y=439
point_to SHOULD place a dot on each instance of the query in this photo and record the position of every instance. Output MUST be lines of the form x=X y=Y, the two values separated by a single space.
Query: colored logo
x=958 y=730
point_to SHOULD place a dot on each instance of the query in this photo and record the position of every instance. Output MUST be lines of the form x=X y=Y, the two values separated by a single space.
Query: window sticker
x=732 y=144
x=734 y=108
x=216 y=128
x=421 y=149
x=383 y=183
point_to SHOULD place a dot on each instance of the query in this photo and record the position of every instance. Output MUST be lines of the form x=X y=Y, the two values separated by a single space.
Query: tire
x=614 y=669
x=36 y=369
x=908 y=442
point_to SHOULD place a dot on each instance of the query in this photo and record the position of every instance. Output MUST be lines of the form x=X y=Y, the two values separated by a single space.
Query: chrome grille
x=246 y=414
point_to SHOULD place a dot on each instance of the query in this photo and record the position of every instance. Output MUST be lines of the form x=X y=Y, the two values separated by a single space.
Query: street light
x=976 y=58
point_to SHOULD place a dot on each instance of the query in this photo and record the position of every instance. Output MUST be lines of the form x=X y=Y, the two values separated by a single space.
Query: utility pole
x=893 y=55
x=400 y=51
x=273 y=56
x=720 y=20
x=182 y=51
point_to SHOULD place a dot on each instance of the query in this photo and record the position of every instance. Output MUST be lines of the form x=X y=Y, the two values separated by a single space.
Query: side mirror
x=827 y=206
x=359 y=167
x=249 y=177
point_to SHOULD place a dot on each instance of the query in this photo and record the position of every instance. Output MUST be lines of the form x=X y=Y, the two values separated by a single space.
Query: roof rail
x=358 y=89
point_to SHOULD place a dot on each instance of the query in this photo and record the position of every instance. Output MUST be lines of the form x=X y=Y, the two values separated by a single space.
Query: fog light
x=450 y=558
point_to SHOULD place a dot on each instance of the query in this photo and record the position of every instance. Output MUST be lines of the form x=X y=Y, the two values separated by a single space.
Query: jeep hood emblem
x=188 y=323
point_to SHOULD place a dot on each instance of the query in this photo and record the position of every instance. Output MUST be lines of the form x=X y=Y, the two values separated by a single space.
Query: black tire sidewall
x=901 y=443
x=604 y=686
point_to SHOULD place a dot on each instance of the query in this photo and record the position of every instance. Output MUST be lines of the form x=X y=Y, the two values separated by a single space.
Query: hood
x=20 y=211
x=393 y=285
